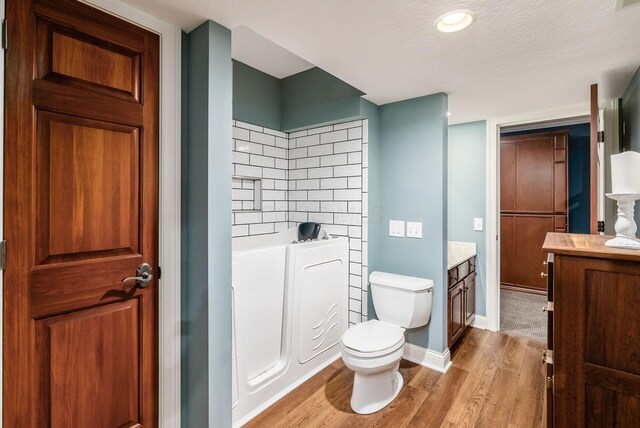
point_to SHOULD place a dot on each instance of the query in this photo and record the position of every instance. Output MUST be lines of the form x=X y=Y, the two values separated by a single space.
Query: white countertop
x=459 y=252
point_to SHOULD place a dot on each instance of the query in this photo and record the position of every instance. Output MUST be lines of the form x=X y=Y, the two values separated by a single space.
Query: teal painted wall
x=315 y=97
x=467 y=194
x=257 y=96
x=413 y=187
x=206 y=235
x=631 y=117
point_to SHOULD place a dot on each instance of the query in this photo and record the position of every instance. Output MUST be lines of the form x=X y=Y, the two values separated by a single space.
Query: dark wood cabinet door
x=508 y=176
x=470 y=298
x=535 y=175
x=530 y=234
x=81 y=214
x=456 y=312
x=535 y=202
x=507 y=249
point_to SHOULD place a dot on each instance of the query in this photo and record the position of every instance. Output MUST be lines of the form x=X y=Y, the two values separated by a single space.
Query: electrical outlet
x=414 y=229
x=396 y=228
x=478 y=224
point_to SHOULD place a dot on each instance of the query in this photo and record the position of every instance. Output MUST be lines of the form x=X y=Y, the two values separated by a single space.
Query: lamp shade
x=625 y=173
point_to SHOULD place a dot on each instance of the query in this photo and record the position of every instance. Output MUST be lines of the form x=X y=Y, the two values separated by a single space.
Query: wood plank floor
x=495 y=381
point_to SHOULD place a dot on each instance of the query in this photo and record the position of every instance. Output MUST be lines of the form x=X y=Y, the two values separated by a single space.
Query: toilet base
x=372 y=392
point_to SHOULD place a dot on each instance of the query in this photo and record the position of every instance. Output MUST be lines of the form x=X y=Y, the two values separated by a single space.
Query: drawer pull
x=548 y=307
x=543 y=275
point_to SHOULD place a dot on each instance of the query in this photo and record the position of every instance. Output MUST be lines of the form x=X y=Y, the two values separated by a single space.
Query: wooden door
x=507 y=249
x=530 y=234
x=81 y=214
x=535 y=174
x=469 y=298
x=456 y=312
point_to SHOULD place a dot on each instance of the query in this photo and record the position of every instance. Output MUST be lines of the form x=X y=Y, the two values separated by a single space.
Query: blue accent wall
x=315 y=97
x=413 y=187
x=468 y=194
x=206 y=233
x=257 y=96
x=578 y=173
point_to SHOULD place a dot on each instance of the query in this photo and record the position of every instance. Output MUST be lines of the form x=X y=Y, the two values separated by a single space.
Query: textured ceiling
x=519 y=55
x=251 y=48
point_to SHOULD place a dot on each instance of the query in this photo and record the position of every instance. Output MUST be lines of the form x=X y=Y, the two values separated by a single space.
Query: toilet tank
x=401 y=300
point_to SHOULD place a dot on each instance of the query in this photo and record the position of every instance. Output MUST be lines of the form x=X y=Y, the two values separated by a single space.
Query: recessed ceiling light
x=455 y=21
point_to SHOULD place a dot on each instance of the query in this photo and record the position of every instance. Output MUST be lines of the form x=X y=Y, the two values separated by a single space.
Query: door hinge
x=5 y=35
x=3 y=255
x=159 y=272
x=600 y=226
x=600 y=136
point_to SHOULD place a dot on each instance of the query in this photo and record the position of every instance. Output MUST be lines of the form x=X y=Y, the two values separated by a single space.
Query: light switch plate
x=396 y=228
x=414 y=229
x=478 y=224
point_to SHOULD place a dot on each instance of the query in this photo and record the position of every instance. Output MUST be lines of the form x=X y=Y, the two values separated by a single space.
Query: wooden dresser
x=593 y=356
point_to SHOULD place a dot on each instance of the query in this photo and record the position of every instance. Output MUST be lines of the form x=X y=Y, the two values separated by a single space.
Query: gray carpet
x=521 y=314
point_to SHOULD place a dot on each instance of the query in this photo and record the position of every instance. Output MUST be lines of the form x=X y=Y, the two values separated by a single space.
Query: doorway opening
x=544 y=187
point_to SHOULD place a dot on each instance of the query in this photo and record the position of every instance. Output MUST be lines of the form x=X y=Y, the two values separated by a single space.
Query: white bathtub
x=290 y=304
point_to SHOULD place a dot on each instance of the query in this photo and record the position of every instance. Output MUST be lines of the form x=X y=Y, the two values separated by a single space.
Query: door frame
x=493 y=196
x=169 y=364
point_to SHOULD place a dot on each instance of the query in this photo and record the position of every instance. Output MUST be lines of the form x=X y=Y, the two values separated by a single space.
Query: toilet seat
x=372 y=339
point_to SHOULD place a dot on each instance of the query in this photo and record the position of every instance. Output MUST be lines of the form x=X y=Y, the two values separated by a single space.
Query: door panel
x=81 y=354
x=88 y=188
x=81 y=214
x=531 y=230
x=470 y=297
x=534 y=175
x=456 y=312
x=507 y=249
x=508 y=176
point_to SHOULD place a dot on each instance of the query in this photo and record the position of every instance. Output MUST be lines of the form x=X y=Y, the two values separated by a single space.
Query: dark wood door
x=531 y=231
x=507 y=249
x=456 y=312
x=470 y=298
x=81 y=214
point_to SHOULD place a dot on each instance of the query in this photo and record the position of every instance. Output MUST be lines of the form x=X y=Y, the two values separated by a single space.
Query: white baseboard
x=427 y=358
x=479 y=322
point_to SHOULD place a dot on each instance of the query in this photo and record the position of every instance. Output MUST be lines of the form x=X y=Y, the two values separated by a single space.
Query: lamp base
x=626 y=243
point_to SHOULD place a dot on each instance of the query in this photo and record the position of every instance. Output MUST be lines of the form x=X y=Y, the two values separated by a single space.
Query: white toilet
x=373 y=349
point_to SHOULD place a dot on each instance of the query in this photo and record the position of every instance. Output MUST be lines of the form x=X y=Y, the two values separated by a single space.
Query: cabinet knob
x=543 y=275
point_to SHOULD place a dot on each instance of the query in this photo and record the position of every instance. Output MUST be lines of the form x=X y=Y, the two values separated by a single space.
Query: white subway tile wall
x=317 y=174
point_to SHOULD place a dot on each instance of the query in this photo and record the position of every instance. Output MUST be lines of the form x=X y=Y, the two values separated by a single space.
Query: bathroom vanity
x=461 y=265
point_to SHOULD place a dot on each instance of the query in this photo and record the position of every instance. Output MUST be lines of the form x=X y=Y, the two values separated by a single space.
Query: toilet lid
x=372 y=336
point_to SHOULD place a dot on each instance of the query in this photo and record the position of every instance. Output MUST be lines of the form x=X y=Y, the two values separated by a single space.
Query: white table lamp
x=625 y=190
